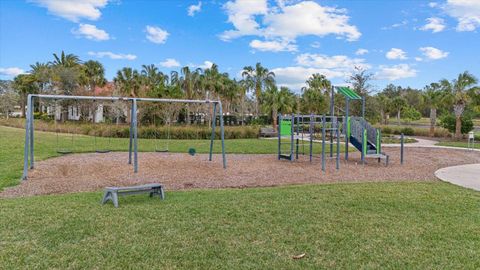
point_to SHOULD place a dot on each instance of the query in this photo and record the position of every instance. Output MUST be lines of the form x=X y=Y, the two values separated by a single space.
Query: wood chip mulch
x=93 y=172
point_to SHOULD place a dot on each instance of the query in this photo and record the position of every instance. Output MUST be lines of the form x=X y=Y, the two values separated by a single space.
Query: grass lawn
x=13 y=139
x=346 y=226
x=459 y=144
x=369 y=225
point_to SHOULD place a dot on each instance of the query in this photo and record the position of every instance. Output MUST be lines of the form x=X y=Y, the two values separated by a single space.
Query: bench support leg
x=110 y=196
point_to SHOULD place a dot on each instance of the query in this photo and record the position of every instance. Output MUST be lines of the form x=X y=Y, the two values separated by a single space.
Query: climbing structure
x=295 y=132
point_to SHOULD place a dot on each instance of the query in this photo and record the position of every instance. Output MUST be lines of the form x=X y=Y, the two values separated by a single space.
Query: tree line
x=256 y=93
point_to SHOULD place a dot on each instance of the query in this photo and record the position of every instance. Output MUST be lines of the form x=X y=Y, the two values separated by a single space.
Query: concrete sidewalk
x=467 y=176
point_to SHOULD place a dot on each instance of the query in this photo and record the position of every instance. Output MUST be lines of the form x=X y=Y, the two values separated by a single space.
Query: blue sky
x=409 y=43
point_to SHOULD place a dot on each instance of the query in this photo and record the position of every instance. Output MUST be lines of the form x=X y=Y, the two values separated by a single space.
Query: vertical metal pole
x=298 y=136
x=323 y=142
x=135 y=139
x=213 y=130
x=401 y=148
x=338 y=145
x=332 y=99
x=279 y=131
x=222 y=135
x=292 y=135
x=27 y=139
x=347 y=132
x=363 y=107
x=363 y=145
x=130 y=145
x=312 y=127
x=32 y=158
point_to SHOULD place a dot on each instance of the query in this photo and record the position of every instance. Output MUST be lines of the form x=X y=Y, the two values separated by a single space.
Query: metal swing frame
x=29 y=157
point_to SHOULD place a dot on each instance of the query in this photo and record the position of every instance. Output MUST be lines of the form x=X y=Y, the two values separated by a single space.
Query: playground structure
x=354 y=130
x=29 y=159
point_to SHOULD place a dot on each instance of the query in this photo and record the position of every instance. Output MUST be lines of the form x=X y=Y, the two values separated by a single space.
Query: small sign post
x=471 y=140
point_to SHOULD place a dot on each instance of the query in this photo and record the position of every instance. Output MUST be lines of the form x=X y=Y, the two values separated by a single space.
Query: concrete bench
x=112 y=193
x=267 y=132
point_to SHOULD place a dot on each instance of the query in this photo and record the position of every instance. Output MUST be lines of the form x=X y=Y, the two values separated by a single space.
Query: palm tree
x=258 y=79
x=319 y=82
x=398 y=104
x=93 y=74
x=66 y=60
x=43 y=75
x=151 y=76
x=128 y=82
x=433 y=97
x=188 y=82
x=275 y=101
x=459 y=90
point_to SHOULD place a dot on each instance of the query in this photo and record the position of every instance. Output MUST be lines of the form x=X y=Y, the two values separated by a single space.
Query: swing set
x=28 y=160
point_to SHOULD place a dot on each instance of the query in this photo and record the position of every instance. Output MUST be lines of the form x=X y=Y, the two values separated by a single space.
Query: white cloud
x=206 y=64
x=435 y=24
x=156 y=34
x=287 y=22
x=395 y=25
x=169 y=63
x=432 y=4
x=330 y=62
x=361 y=51
x=242 y=15
x=11 y=71
x=194 y=9
x=315 y=44
x=273 y=46
x=433 y=53
x=396 y=72
x=294 y=77
x=467 y=13
x=337 y=66
x=396 y=53
x=74 y=10
x=114 y=56
x=418 y=59
x=90 y=31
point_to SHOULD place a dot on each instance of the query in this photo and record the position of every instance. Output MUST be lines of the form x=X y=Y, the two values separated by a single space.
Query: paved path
x=463 y=175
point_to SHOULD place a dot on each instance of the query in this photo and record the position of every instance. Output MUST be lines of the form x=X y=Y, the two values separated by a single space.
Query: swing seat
x=64 y=151
x=192 y=151
x=102 y=151
x=162 y=150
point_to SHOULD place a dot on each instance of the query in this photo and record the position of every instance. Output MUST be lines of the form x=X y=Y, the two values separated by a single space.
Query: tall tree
x=433 y=97
x=258 y=79
x=384 y=103
x=459 y=90
x=360 y=80
x=398 y=104
x=93 y=75
x=275 y=101
x=128 y=81
x=25 y=84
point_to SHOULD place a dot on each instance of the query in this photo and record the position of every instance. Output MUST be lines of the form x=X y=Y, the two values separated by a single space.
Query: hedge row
x=147 y=132
x=414 y=131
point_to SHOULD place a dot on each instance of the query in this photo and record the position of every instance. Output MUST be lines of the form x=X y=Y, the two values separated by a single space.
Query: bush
x=448 y=122
x=192 y=132
x=386 y=130
x=407 y=131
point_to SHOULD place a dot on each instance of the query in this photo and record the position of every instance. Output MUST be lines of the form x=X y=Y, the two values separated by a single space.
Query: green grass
x=458 y=144
x=344 y=226
x=12 y=141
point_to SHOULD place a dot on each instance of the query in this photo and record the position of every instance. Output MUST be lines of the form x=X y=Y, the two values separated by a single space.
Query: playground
x=93 y=171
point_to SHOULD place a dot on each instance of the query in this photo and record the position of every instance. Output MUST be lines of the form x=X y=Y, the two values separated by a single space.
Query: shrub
x=386 y=130
x=448 y=122
x=407 y=131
